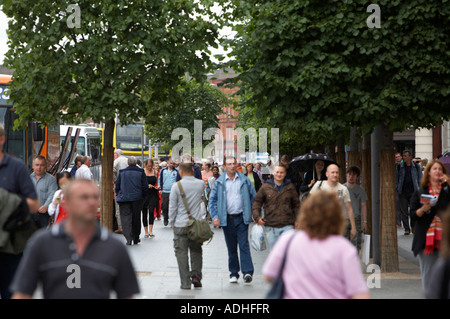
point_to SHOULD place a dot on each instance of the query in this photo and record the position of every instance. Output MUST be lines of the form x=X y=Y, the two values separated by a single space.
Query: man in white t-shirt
x=332 y=184
x=84 y=172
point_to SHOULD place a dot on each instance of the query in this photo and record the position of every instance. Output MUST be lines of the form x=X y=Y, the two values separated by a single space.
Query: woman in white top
x=54 y=208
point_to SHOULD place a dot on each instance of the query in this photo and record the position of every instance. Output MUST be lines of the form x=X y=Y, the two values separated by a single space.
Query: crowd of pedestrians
x=312 y=224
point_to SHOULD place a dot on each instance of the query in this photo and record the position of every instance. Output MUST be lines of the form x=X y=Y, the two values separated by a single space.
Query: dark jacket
x=280 y=207
x=15 y=225
x=423 y=223
x=131 y=184
x=416 y=175
x=257 y=180
x=308 y=178
x=197 y=173
x=295 y=178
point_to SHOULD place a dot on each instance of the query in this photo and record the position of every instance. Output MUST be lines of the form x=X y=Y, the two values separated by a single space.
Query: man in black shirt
x=77 y=258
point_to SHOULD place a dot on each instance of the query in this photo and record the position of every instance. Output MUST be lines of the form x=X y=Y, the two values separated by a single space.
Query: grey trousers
x=426 y=263
x=183 y=246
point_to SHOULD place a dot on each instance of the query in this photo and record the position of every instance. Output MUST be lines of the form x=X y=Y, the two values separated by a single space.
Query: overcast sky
x=3 y=36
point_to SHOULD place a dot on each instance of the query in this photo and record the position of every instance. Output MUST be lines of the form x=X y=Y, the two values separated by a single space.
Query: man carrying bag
x=184 y=207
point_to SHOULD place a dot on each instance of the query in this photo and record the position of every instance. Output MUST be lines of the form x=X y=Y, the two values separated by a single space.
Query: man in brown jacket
x=281 y=204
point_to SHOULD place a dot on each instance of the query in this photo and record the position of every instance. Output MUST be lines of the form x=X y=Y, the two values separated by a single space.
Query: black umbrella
x=305 y=163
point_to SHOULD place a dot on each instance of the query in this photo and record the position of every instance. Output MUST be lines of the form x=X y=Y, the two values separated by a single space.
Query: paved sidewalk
x=156 y=267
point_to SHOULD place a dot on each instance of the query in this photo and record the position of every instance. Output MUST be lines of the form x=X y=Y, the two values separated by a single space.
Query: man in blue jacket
x=131 y=186
x=230 y=205
x=167 y=177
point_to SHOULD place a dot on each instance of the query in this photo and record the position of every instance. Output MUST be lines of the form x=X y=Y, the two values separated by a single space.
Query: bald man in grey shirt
x=178 y=217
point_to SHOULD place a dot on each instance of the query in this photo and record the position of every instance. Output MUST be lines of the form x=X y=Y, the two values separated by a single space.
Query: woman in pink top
x=320 y=263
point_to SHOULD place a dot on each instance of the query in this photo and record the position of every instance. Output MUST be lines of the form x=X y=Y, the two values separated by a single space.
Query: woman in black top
x=150 y=199
x=311 y=177
x=427 y=215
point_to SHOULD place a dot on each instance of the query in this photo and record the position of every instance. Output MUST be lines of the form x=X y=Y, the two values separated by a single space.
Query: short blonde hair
x=321 y=215
x=2 y=131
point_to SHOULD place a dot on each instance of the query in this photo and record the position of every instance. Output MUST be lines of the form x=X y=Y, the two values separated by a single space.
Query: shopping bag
x=365 y=248
x=257 y=238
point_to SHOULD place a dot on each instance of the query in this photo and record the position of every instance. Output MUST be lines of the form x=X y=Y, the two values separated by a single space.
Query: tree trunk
x=354 y=153
x=340 y=159
x=107 y=176
x=388 y=228
x=331 y=149
x=366 y=182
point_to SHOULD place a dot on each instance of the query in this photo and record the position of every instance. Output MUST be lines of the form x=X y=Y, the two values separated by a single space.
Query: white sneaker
x=248 y=278
x=233 y=280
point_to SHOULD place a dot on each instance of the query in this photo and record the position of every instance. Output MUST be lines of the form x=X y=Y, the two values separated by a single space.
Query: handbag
x=196 y=230
x=257 y=238
x=277 y=289
x=365 y=249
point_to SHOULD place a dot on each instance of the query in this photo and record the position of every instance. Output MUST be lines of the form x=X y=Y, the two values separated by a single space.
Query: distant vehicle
x=89 y=143
x=26 y=144
x=132 y=140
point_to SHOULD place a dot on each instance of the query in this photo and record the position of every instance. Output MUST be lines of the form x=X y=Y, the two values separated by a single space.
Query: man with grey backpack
x=192 y=190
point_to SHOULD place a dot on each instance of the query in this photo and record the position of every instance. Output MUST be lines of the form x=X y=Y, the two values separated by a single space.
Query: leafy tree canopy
x=201 y=101
x=125 y=57
x=317 y=67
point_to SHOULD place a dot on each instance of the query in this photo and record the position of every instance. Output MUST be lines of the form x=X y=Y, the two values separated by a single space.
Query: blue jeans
x=236 y=233
x=272 y=233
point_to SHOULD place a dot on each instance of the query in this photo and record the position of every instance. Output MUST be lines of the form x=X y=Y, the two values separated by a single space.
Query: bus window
x=95 y=150
x=129 y=138
x=81 y=148
x=15 y=143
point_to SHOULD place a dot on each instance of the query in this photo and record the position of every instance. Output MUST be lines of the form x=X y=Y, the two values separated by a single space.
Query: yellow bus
x=131 y=139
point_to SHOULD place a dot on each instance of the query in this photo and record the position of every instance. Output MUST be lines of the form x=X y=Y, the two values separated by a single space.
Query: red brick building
x=227 y=120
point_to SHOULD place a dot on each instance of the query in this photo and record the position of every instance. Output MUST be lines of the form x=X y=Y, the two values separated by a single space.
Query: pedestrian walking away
x=427 y=214
x=83 y=171
x=230 y=205
x=320 y=263
x=76 y=259
x=120 y=162
x=178 y=217
x=131 y=187
x=15 y=182
x=45 y=187
x=281 y=202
